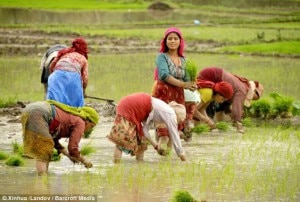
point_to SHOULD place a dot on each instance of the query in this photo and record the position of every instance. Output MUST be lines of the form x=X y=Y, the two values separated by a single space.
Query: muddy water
x=221 y=166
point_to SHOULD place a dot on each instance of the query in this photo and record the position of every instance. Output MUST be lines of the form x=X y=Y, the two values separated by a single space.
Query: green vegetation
x=104 y=81
x=276 y=105
x=226 y=167
x=261 y=108
x=219 y=168
x=286 y=47
x=15 y=160
x=222 y=126
x=73 y=4
x=247 y=122
x=182 y=196
x=3 y=155
x=201 y=128
x=296 y=108
x=191 y=70
x=281 y=103
x=17 y=148
x=7 y=102
x=55 y=156
x=87 y=150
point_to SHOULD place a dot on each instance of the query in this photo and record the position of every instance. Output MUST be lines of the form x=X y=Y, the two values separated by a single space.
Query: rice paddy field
x=256 y=40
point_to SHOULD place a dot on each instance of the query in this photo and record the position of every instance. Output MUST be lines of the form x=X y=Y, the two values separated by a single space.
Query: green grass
x=132 y=4
x=285 y=47
x=109 y=73
x=72 y=4
x=220 y=34
x=7 y=102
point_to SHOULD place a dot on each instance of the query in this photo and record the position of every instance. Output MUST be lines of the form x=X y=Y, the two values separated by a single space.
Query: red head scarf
x=79 y=45
x=163 y=44
x=224 y=88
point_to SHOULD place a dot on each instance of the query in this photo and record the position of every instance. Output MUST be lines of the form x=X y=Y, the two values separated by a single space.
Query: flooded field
x=261 y=165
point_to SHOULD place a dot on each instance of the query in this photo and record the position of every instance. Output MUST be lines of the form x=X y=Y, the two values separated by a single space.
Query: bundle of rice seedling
x=87 y=150
x=182 y=196
x=201 y=128
x=191 y=70
x=223 y=126
x=55 y=156
x=17 y=148
x=164 y=150
x=247 y=122
x=14 y=161
x=3 y=155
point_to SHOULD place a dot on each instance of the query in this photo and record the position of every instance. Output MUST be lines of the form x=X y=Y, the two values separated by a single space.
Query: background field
x=258 y=39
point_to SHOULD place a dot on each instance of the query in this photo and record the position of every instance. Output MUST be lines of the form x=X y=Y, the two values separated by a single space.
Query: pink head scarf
x=164 y=47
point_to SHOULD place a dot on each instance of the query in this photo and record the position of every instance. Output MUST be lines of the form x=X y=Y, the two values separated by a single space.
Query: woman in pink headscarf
x=172 y=78
x=69 y=75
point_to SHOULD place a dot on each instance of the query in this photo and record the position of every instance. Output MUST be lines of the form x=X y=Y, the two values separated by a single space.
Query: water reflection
x=221 y=166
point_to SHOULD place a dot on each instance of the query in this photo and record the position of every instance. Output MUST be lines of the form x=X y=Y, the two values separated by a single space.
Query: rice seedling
x=15 y=160
x=191 y=69
x=261 y=108
x=283 y=105
x=182 y=196
x=247 y=122
x=111 y=85
x=17 y=148
x=296 y=108
x=55 y=156
x=88 y=133
x=222 y=126
x=87 y=150
x=201 y=128
x=3 y=155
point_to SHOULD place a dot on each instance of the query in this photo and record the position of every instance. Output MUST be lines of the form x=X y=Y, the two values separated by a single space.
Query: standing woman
x=172 y=77
x=45 y=123
x=69 y=75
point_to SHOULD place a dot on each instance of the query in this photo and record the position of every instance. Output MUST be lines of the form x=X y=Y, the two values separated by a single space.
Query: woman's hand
x=211 y=124
x=182 y=157
x=87 y=163
x=190 y=85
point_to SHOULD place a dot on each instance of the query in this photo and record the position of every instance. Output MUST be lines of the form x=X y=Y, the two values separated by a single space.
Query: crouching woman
x=45 y=123
x=135 y=114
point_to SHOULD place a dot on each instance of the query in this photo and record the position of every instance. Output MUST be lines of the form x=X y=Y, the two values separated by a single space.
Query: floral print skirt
x=124 y=134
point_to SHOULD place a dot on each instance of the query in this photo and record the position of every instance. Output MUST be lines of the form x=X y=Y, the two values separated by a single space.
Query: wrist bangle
x=183 y=86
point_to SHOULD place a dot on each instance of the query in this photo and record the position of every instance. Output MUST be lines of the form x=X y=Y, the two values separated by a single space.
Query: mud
x=28 y=42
